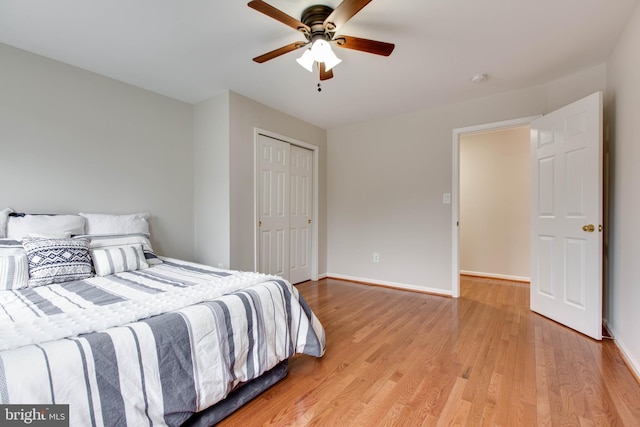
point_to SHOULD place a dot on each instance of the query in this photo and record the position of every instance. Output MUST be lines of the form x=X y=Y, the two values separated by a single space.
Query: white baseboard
x=395 y=285
x=496 y=276
x=631 y=362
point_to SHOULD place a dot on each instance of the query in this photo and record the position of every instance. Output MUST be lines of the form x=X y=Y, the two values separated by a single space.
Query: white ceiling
x=194 y=49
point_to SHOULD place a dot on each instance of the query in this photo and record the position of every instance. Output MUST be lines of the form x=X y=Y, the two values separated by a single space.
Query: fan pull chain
x=319 y=88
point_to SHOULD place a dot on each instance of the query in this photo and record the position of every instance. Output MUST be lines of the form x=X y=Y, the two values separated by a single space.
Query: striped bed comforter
x=148 y=347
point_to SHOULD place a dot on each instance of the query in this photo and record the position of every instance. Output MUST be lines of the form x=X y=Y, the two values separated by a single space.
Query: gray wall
x=622 y=105
x=385 y=181
x=211 y=171
x=73 y=141
x=247 y=115
x=225 y=176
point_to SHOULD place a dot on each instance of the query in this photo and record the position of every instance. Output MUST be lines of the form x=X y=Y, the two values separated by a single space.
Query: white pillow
x=4 y=217
x=117 y=259
x=64 y=235
x=11 y=248
x=111 y=240
x=20 y=227
x=14 y=272
x=116 y=224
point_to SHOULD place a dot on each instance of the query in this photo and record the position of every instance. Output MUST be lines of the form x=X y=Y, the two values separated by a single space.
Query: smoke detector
x=479 y=78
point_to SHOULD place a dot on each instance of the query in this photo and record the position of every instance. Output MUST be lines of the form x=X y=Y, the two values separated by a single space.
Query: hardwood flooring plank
x=398 y=358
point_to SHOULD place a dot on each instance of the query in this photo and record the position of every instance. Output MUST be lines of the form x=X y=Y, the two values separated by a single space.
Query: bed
x=136 y=339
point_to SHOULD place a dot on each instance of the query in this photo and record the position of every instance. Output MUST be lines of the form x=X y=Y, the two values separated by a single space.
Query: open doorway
x=458 y=134
x=495 y=181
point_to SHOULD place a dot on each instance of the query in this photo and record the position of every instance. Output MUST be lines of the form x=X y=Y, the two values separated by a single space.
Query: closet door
x=301 y=179
x=273 y=206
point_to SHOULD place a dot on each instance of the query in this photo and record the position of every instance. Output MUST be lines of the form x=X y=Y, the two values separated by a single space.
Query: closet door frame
x=314 y=223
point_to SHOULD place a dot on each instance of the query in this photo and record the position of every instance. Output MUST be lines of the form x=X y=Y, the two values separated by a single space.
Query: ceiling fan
x=319 y=24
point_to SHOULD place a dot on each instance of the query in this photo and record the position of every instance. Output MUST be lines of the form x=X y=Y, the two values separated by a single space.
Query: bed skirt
x=238 y=397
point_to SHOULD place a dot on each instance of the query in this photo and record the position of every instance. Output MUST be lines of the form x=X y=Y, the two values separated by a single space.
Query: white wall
x=494 y=203
x=385 y=181
x=71 y=141
x=622 y=104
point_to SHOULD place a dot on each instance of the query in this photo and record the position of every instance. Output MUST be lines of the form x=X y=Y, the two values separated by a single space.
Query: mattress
x=148 y=347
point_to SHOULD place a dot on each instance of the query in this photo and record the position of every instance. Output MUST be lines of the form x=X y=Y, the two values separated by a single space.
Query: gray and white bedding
x=150 y=346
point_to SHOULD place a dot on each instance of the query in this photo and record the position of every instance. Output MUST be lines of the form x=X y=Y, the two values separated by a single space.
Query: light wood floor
x=398 y=358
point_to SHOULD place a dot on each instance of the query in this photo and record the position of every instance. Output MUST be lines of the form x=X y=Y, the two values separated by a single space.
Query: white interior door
x=273 y=210
x=566 y=216
x=301 y=177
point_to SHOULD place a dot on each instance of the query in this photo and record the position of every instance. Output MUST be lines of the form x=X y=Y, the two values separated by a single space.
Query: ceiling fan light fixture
x=320 y=51
x=306 y=60
x=331 y=60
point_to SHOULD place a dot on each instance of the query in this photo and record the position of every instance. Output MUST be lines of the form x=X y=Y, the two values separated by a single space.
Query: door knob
x=589 y=228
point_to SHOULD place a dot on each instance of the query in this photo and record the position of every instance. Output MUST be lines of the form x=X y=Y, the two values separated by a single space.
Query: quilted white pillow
x=20 y=227
x=116 y=224
x=117 y=259
x=14 y=272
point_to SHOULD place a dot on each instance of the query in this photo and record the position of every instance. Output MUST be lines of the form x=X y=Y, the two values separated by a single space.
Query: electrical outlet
x=376 y=257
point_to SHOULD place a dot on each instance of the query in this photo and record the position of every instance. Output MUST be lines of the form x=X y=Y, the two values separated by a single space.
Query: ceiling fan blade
x=277 y=52
x=324 y=74
x=343 y=13
x=278 y=15
x=365 y=45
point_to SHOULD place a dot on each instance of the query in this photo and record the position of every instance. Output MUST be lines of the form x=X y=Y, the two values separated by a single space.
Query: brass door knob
x=589 y=228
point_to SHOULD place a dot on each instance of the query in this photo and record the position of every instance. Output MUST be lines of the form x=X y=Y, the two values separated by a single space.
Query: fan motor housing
x=314 y=17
